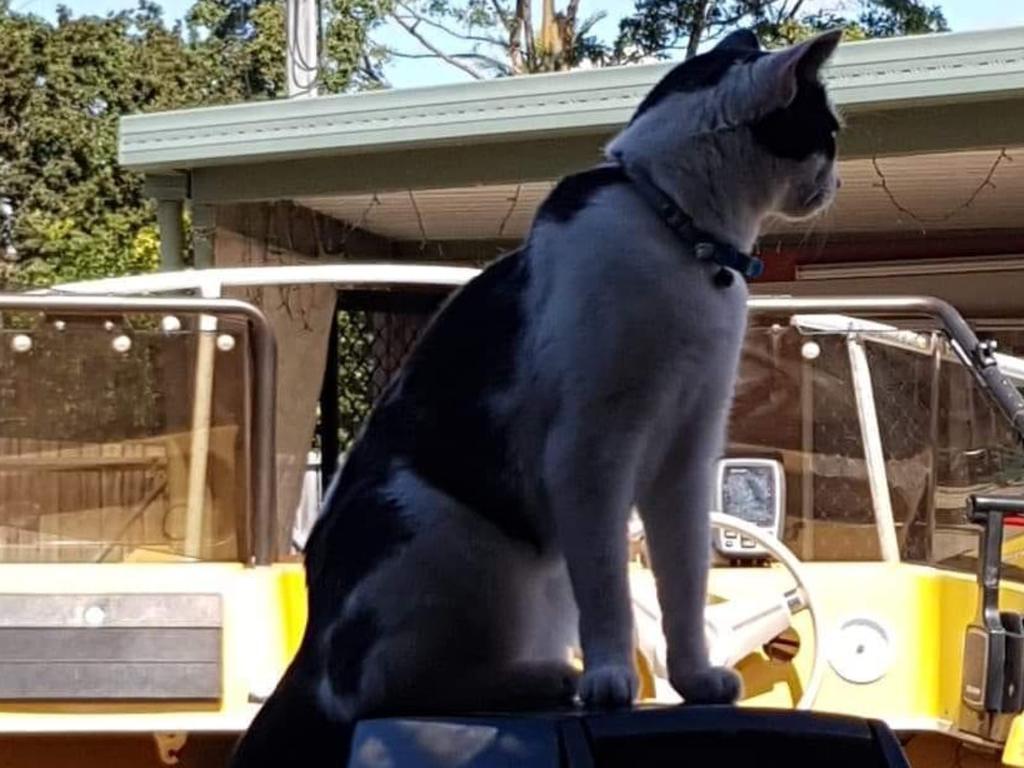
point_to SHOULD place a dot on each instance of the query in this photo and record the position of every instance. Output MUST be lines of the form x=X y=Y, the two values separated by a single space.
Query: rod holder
x=993 y=643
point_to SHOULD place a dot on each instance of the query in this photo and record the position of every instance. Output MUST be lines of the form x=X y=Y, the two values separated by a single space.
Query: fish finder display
x=749 y=494
x=753 y=490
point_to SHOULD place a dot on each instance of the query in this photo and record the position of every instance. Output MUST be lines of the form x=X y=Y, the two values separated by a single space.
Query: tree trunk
x=567 y=31
x=516 y=56
x=550 y=37
x=697 y=26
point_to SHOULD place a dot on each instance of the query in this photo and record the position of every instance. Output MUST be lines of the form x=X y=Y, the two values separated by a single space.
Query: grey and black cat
x=478 y=527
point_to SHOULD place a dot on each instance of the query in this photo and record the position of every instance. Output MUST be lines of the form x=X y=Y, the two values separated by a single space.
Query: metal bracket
x=985 y=353
x=169 y=746
x=986 y=685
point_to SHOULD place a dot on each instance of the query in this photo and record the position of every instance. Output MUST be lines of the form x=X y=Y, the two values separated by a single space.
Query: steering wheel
x=737 y=628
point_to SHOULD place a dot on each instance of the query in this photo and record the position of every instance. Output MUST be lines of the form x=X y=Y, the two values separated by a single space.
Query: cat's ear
x=740 y=40
x=778 y=75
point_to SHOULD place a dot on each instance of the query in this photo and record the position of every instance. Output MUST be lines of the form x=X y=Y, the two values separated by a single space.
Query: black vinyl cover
x=683 y=737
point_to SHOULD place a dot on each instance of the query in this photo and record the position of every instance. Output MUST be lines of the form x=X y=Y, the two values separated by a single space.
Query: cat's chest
x=698 y=340
x=701 y=321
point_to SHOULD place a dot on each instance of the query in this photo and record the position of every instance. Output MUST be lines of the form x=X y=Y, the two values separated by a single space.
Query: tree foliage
x=657 y=28
x=498 y=37
x=67 y=209
x=62 y=88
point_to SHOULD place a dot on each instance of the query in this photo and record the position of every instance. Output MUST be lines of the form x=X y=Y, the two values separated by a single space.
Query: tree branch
x=372 y=72
x=796 y=8
x=488 y=60
x=515 y=39
x=418 y=18
x=570 y=29
x=526 y=17
x=501 y=13
x=411 y=29
x=725 y=25
x=697 y=27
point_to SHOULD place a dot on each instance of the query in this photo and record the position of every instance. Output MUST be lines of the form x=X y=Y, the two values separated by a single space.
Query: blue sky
x=961 y=14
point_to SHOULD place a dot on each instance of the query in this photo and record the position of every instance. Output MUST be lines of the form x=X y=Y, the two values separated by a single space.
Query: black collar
x=705 y=246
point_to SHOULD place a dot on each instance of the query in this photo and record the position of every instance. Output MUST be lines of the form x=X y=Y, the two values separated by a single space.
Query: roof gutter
x=876 y=75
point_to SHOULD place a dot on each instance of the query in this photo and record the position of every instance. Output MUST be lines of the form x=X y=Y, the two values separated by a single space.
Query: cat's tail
x=292 y=729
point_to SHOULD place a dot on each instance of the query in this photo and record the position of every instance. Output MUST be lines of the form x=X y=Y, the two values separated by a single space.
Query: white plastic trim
x=379 y=274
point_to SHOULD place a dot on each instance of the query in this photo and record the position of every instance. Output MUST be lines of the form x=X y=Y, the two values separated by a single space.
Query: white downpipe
x=202 y=406
x=874 y=456
x=302 y=64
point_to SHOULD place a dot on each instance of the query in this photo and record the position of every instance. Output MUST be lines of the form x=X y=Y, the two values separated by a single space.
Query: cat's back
x=441 y=418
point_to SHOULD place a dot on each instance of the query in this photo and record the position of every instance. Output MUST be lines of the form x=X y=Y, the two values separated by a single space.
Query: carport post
x=170 y=192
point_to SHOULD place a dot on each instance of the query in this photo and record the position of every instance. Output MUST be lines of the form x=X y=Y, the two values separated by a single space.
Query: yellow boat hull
x=924 y=611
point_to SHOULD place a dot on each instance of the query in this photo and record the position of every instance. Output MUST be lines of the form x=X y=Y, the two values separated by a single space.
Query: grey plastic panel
x=125 y=646
x=110 y=610
x=108 y=680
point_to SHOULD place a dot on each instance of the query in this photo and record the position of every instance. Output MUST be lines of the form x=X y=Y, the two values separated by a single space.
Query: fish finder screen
x=749 y=494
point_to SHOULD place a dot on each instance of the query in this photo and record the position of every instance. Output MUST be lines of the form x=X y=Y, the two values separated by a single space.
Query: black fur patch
x=291 y=729
x=434 y=419
x=439 y=419
x=360 y=529
x=351 y=641
x=806 y=126
x=704 y=71
x=571 y=194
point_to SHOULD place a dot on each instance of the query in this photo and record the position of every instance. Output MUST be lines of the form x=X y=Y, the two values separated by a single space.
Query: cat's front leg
x=675 y=511
x=589 y=484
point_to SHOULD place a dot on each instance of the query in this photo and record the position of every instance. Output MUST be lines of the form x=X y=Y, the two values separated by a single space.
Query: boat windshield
x=878 y=430
x=123 y=437
x=882 y=434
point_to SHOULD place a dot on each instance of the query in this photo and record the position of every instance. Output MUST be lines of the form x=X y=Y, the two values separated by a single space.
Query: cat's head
x=761 y=117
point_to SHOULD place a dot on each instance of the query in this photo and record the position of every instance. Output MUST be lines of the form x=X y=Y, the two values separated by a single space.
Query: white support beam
x=874 y=453
x=170 y=190
x=169 y=221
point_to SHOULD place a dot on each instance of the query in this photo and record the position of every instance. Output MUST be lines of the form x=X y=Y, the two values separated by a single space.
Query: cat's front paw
x=713 y=685
x=608 y=686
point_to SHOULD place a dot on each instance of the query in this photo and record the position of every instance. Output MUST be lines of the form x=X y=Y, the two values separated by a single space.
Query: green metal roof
x=939 y=83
